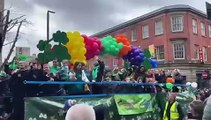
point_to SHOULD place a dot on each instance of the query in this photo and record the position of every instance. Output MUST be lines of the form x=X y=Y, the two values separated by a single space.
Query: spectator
x=55 y=68
x=173 y=110
x=34 y=74
x=4 y=83
x=207 y=110
x=98 y=71
x=197 y=108
x=161 y=77
x=18 y=90
x=48 y=90
x=85 y=73
x=97 y=75
x=77 y=72
x=80 y=112
x=142 y=77
x=122 y=74
x=108 y=76
x=115 y=74
x=64 y=73
x=177 y=77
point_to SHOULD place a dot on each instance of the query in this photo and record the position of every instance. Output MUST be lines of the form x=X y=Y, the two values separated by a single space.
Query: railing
x=108 y=88
x=100 y=83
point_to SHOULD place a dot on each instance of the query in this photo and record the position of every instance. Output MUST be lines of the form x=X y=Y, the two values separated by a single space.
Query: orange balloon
x=126 y=45
x=170 y=80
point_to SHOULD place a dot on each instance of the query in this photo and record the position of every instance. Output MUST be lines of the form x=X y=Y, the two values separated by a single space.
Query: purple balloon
x=137 y=52
x=141 y=55
x=132 y=60
x=138 y=58
x=133 y=48
x=125 y=57
x=131 y=54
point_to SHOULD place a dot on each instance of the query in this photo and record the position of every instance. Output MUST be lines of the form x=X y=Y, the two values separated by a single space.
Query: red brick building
x=178 y=33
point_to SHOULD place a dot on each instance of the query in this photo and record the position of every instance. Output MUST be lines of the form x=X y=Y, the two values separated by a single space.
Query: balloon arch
x=80 y=48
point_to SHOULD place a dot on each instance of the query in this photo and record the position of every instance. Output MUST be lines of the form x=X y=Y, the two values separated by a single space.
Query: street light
x=48 y=15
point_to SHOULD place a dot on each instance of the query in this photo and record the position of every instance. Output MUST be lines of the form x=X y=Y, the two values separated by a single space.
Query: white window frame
x=196 y=51
x=115 y=62
x=203 y=29
x=209 y=29
x=158 y=53
x=204 y=50
x=194 y=25
x=145 y=31
x=173 y=23
x=158 y=27
x=123 y=62
x=183 y=45
x=133 y=33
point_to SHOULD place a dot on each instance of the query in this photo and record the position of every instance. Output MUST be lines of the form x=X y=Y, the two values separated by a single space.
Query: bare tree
x=7 y=25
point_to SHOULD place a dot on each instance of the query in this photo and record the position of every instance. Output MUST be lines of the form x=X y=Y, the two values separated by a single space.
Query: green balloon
x=111 y=46
x=169 y=86
x=120 y=46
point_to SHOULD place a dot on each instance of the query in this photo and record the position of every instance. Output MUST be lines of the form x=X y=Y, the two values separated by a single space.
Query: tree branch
x=4 y=31
x=13 y=46
x=12 y=26
x=8 y=43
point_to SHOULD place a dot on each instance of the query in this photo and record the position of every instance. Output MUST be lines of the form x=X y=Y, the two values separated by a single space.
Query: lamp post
x=48 y=16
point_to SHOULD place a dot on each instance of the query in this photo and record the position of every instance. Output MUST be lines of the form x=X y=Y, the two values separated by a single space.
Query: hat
x=68 y=104
x=3 y=74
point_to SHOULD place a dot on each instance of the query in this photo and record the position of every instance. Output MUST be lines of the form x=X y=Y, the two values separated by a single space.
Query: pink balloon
x=93 y=47
x=97 y=52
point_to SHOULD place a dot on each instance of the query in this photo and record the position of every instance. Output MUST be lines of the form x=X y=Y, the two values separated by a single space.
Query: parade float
x=112 y=105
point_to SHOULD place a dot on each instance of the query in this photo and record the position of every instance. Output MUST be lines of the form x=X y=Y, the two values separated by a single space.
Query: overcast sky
x=86 y=16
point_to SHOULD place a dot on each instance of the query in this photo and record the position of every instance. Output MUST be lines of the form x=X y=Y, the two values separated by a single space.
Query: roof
x=166 y=9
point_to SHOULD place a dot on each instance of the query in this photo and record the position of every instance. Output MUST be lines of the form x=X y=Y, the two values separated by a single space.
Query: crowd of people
x=12 y=82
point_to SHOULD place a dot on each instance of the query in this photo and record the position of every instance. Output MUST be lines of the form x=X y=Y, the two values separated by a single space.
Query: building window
x=133 y=35
x=179 y=50
x=204 y=50
x=202 y=29
x=158 y=27
x=124 y=33
x=194 y=24
x=196 y=52
x=115 y=62
x=209 y=27
x=145 y=31
x=160 y=52
x=177 y=23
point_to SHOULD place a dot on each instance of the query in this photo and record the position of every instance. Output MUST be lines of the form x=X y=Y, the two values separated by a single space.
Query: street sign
x=201 y=55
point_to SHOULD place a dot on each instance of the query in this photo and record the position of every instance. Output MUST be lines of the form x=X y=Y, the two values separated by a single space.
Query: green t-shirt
x=54 y=70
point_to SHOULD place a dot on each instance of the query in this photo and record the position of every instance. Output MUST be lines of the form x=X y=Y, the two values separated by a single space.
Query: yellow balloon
x=76 y=47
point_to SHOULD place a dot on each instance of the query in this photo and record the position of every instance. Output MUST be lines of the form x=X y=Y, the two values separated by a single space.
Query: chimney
x=208 y=7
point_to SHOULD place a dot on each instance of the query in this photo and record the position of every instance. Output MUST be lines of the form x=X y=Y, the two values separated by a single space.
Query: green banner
x=134 y=104
x=118 y=107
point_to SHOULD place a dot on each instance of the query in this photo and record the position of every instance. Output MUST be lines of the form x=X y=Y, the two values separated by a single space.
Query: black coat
x=178 y=79
x=17 y=86
x=46 y=89
x=34 y=89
